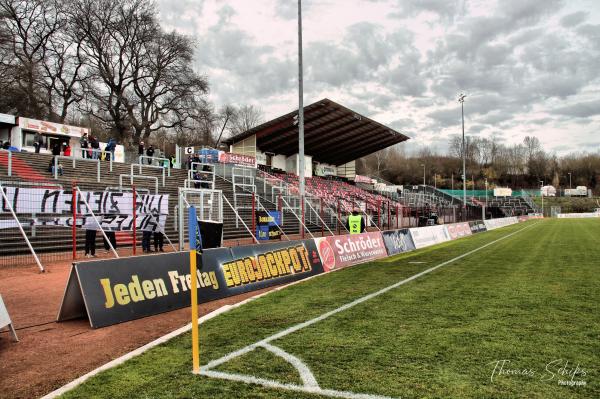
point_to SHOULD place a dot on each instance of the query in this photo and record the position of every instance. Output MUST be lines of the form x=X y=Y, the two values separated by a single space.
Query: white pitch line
x=307 y=377
x=347 y=306
x=289 y=387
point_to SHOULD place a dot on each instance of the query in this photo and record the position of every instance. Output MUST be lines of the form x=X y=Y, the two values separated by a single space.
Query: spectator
x=141 y=149
x=90 y=243
x=197 y=177
x=355 y=223
x=158 y=241
x=59 y=167
x=67 y=151
x=110 y=149
x=38 y=142
x=112 y=238
x=146 y=236
x=6 y=145
x=56 y=149
x=84 y=144
x=150 y=153
x=95 y=144
x=173 y=161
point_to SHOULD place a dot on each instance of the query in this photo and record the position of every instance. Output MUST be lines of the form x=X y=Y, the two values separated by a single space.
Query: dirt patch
x=52 y=354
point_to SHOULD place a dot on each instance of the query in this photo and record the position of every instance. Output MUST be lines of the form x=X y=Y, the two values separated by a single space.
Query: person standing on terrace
x=355 y=222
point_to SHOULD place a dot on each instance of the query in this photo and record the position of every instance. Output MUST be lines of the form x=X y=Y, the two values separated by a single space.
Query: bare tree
x=28 y=26
x=245 y=118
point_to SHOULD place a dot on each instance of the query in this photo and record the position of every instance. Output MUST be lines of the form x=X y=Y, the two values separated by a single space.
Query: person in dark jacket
x=38 y=142
x=158 y=241
x=56 y=148
x=141 y=148
x=113 y=240
x=150 y=153
x=95 y=144
x=146 y=236
x=84 y=144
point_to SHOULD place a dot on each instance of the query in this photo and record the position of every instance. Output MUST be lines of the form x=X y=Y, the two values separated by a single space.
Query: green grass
x=532 y=298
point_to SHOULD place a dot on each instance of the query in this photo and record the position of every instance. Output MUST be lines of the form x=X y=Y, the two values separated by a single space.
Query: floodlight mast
x=301 y=174
x=461 y=100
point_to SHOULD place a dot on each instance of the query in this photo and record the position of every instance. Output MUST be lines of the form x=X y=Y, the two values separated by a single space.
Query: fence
x=48 y=223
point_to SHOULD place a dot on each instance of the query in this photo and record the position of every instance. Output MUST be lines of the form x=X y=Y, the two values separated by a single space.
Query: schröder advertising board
x=341 y=251
x=430 y=235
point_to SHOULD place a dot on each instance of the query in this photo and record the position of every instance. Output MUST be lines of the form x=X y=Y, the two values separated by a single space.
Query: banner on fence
x=342 y=251
x=117 y=290
x=237 y=159
x=398 y=241
x=458 y=230
x=266 y=225
x=430 y=235
x=114 y=210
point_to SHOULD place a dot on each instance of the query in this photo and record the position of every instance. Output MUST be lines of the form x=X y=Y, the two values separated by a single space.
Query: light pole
x=435 y=180
x=569 y=180
x=300 y=108
x=461 y=100
x=423 y=165
x=452 y=182
x=542 y=194
x=486 y=198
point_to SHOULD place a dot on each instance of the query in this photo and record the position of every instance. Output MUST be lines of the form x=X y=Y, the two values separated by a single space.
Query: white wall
x=278 y=162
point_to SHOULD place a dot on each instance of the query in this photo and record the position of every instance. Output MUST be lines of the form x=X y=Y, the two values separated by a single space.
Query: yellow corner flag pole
x=193 y=225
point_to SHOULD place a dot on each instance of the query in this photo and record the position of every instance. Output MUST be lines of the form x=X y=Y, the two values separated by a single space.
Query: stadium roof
x=333 y=134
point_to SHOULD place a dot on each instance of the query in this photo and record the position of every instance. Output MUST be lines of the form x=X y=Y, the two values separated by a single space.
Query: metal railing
x=166 y=162
x=140 y=170
x=74 y=160
x=132 y=176
x=79 y=155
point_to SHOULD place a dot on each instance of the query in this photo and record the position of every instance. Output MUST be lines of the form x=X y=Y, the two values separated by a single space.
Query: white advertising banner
x=430 y=235
x=578 y=215
x=492 y=224
x=114 y=210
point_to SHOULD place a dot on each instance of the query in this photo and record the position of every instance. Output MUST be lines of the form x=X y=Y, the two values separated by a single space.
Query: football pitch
x=513 y=312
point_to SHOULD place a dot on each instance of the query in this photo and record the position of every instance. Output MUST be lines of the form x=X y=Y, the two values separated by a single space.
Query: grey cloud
x=367 y=53
x=574 y=19
x=446 y=117
x=579 y=110
x=446 y=9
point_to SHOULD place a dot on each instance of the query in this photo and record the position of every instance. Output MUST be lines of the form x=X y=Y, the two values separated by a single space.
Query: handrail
x=9 y=161
x=57 y=157
x=131 y=176
x=140 y=166
x=141 y=157
x=92 y=150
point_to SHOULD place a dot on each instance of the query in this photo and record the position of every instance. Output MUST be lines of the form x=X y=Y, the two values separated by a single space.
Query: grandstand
x=266 y=179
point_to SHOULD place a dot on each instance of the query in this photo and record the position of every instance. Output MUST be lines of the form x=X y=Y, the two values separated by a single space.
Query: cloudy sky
x=528 y=67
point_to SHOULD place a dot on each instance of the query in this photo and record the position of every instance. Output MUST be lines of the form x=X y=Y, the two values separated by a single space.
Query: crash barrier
x=112 y=291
